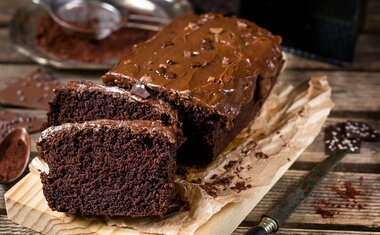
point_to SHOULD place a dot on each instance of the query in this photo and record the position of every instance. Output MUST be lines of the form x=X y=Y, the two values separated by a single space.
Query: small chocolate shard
x=170 y=62
x=241 y=24
x=216 y=30
x=211 y=79
x=261 y=155
x=195 y=53
x=196 y=64
x=170 y=75
x=225 y=61
x=167 y=44
x=186 y=93
x=127 y=61
x=163 y=66
x=146 y=79
x=161 y=71
x=193 y=25
x=206 y=44
x=139 y=90
x=186 y=53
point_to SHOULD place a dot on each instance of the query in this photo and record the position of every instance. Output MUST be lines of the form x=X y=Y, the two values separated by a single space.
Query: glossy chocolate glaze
x=210 y=60
x=135 y=126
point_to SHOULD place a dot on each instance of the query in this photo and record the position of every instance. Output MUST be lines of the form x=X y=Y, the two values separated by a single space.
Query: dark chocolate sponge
x=106 y=167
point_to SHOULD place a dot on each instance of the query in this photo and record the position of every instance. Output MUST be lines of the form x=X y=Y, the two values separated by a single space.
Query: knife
x=280 y=212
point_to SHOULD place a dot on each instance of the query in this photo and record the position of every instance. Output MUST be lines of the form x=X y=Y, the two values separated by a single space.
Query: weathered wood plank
x=284 y=231
x=8 y=227
x=347 y=219
x=368 y=218
x=352 y=91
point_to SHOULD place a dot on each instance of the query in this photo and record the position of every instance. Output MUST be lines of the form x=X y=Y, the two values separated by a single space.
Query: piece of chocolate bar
x=11 y=120
x=35 y=90
x=335 y=140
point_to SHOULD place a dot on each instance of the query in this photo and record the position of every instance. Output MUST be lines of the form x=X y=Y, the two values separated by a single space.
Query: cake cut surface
x=80 y=101
x=215 y=71
x=108 y=167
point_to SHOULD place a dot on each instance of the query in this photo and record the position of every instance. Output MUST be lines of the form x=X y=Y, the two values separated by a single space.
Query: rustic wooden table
x=356 y=94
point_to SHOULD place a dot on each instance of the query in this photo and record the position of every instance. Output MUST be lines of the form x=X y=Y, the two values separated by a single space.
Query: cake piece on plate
x=108 y=167
x=215 y=71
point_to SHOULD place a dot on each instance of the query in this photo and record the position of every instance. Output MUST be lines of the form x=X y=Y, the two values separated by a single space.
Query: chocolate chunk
x=26 y=91
x=206 y=44
x=261 y=155
x=360 y=130
x=211 y=79
x=167 y=44
x=225 y=61
x=139 y=90
x=335 y=140
x=216 y=30
x=193 y=25
x=241 y=24
x=170 y=75
x=147 y=79
x=196 y=65
x=161 y=71
x=186 y=53
x=163 y=66
x=170 y=62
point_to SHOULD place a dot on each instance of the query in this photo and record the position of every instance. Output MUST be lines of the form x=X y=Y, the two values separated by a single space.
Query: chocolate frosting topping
x=214 y=62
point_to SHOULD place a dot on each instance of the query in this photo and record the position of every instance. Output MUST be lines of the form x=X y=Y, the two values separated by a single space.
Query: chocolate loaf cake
x=108 y=167
x=215 y=71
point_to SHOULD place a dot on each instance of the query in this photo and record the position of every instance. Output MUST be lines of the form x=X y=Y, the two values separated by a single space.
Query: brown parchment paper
x=288 y=122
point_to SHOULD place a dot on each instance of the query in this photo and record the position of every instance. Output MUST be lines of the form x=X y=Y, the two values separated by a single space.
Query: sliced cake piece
x=108 y=167
x=80 y=101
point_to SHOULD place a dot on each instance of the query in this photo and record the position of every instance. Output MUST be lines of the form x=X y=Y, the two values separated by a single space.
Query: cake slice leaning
x=108 y=167
x=80 y=101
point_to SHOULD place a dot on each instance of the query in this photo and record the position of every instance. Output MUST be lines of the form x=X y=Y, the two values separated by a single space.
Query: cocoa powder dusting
x=13 y=160
x=347 y=197
x=325 y=208
x=64 y=45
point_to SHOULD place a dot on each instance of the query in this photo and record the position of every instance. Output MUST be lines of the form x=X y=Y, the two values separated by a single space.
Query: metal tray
x=24 y=24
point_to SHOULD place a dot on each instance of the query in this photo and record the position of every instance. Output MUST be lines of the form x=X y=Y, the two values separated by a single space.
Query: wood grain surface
x=356 y=93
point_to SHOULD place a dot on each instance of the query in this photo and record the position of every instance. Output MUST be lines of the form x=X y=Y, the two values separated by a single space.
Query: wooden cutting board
x=27 y=206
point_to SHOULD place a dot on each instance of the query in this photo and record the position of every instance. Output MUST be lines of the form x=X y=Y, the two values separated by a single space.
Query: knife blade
x=280 y=212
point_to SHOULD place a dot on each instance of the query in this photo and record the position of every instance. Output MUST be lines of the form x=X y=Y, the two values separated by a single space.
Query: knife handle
x=266 y=226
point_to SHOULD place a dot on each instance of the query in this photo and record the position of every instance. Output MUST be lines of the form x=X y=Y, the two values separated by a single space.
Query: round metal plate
x=24 y=25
